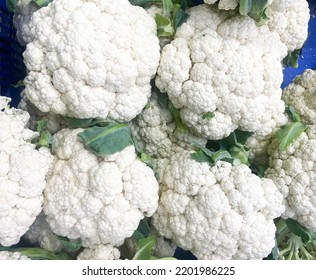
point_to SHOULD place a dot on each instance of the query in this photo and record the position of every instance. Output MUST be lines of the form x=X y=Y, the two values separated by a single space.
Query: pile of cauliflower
x=97 y=68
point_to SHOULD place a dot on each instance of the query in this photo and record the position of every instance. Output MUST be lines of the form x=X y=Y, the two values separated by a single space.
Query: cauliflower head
x=289 y=19
x=100 y=252
x=156 y=132
x=16 y=256
x=22 y=174
x=223 y=73
x=99 y=200
x=293 y=171
x=217 y=212
x=300 y=94
x=91 y=59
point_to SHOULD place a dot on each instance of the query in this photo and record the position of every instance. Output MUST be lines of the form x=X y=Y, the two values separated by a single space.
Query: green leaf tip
x=107 y=140
x=289 y=133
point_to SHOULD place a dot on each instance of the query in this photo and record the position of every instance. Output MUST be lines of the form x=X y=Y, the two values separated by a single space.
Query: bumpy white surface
x=22 y=174
x=224 y=4
x=218 y=212
x=91 y=59
x=300 y=94
x=97 y=199
x=225 y=65
x=156 y=132
x=289 y=19
x=16 y=256
x=41 y=234
x=293 y=171
x=100 y=252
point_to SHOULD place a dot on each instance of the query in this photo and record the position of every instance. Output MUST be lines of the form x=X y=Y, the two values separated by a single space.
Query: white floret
x=100 y=252
x=156 y=132
x=224 y=4
x=91 y=59
x=22 y=174
x=300 y=94
x=15 y=256
x=225 y=65
x=97 y=199
x=293 y=172
x=217 y=212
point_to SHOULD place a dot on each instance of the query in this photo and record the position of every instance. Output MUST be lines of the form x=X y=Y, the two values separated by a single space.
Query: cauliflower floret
x=41 y=234
x=293 y=171
x=225 y=66
x=91 y=59
x=16 y=256
x=224 y=4
x=300 y=94
x=100 y=252
x=97 y=199
x=217 y=212
x=156 y=132
x=22 y=174
x=289 y=19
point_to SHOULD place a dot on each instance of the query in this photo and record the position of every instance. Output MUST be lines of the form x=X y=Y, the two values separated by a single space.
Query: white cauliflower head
x=217 y=212
x=91 y=59
x=223 y=73
x=97 y=199
x=100 y=252
x=289 y=19
x=156 y=132
x=300 y=94
x=293 y=171
x=22 y=174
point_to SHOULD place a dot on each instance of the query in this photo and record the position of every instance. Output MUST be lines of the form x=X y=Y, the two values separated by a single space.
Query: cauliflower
x=223 y=73
x=293 y=171
x=41 y=234
x=91 y=59
x=156 y=132
x=22 y=174
x=21 y=20
x=16 y=256
x=300 y=94
x=54 y=122
x=289 y=19
x=100 y=252
x=97 y=199
x=217 y=212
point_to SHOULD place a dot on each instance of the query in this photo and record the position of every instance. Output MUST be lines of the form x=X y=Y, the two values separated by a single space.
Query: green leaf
x=69 y=245
x=45 y=138
x=242 y=136
x=220 y=155
x=291 y=60
x=164 y=26
x=299 y=230
x=289 y=133
x=142 y=231
x=39 y=254
x=84 y=123
x=200 y=156
x=241 y=153
x=147 y=160
x=11 y=5
x=144 y=248
x=245 y=7
x=176 y=117
x=42 y=3
x=179 y=16
x=294 y=116
x=258 y=11
x=107 y=140
x=144 y=2
x=18 y=84
x=163 y=99
x=208 y=116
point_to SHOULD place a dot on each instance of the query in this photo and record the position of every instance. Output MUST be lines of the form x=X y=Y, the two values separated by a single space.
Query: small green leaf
x=245 y=7
x=220 y=155
x=176 y=117
x=241 y=153
x=144 y=2
x=208 y=116
x=258 y=11
x=84 y=123
x=289 y=133
x=144 y=248
x=69 y=245
x=39 y=254
x=11 y=5
x=294 y=116
x=107 y=140
x=164 y=26
x=142 y=231
x=298 y=230
x=42 y=3
x=19 y=83
x=291 y=60
x=179 y=16
x=45 y=138
x=145 y=158
x=200 y=156
x=242 y=136
x=163 y=99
